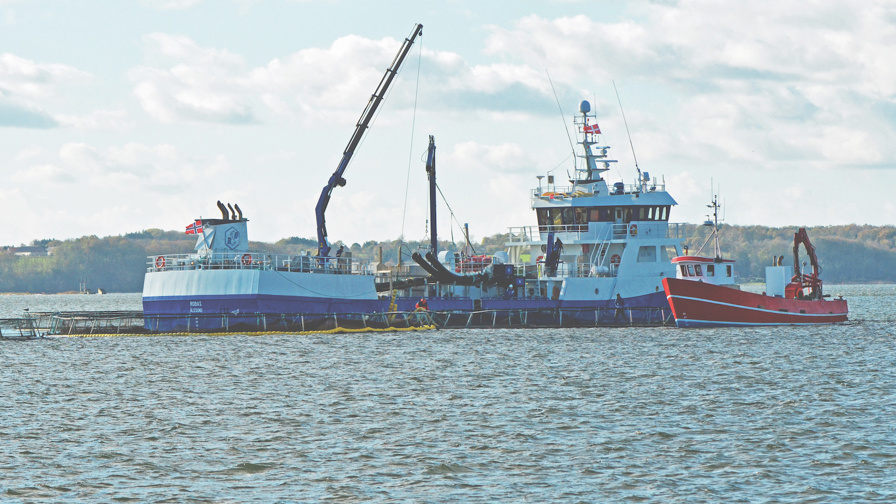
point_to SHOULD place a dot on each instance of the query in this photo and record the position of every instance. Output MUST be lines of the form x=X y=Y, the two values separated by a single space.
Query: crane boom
x=323 y=244
x=805 y=279
x=431 y=173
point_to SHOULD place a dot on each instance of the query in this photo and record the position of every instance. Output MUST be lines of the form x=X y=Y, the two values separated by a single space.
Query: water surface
x=800 y=414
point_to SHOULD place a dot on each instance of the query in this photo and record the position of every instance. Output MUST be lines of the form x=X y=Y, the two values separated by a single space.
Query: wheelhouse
x=704 y=269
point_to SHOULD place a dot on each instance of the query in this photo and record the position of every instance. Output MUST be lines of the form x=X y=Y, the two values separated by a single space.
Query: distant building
x=29 y=251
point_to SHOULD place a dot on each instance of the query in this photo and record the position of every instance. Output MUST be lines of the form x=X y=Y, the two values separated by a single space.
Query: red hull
x=699 y=304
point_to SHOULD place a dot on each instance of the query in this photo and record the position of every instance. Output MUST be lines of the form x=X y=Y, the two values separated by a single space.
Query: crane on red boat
x=804 y=284
x=323 y=244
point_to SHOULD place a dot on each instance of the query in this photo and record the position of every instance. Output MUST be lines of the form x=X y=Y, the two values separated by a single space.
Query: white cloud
x=26 y=87
x=170 y=4
x=757 y=80
x=475 y=157
x=203 y=84
x=43 y=174
x=183 y=81
x=115 y=120
x=23 y=78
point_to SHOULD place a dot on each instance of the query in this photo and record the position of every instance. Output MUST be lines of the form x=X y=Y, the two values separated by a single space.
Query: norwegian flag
x=195 y=227
x=592 y=128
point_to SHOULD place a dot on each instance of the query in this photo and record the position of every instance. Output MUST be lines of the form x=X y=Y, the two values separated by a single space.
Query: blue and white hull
x=219 y=298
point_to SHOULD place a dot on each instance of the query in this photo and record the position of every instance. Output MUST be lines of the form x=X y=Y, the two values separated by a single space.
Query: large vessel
x=598 y=255
x=223 y=285
x=704 y=293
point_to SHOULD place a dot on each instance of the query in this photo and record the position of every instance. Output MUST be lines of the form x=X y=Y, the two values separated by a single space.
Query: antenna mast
x=627 y=132
x=562 y=117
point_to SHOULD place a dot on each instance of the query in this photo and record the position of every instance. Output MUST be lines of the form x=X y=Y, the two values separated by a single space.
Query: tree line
x=847 y=254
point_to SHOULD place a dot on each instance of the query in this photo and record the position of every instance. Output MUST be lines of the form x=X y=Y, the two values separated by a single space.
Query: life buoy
x=247 y=259
x=615 y=259
x=540 y=259
x=160 y=262
x=633 y=230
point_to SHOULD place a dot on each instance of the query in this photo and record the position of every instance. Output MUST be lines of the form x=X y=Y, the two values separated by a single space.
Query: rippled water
x=799 y=414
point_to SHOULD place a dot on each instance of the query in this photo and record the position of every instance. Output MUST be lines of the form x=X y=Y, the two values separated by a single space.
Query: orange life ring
x=633 y=230
x=247 y=259
x=615 y=259
x=160 y=262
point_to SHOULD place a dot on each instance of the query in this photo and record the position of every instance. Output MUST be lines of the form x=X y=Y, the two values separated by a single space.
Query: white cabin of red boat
x=716 y=271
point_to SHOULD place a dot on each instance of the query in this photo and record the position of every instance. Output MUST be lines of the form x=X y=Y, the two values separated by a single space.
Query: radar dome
x=584 y=107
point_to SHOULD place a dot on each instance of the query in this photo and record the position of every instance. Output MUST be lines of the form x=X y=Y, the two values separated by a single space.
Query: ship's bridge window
x=561 y=217
x=728 y=270
x=544 y=218
x=647 y=254
x=643 y=213
x=698 y=270
x=582 y=218
x=690 y=270
x=600 y=214
x=684 y=270
x=667 y=252
x=710 y=270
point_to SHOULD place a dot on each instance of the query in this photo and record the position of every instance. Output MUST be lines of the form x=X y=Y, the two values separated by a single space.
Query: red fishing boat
x=704 y=293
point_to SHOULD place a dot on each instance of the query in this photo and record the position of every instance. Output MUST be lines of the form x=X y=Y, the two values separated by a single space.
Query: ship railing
x=523 y=234
x=565 y=270
x=259 y=261
x=137 y=323
x=19 y=328
x=592 y=231
x=567 y=192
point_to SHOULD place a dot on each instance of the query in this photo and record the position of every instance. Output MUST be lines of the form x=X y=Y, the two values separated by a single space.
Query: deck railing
x=137 y=323
x=258 y=261
x=641 y=230
x=566 y=192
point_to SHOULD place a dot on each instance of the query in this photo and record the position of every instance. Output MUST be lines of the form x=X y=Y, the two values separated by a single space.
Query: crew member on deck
x=620 y=305
x=421 y=305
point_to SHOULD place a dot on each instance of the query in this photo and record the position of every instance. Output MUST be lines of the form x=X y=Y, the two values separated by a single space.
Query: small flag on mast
x=195 y=227
x=592 y=128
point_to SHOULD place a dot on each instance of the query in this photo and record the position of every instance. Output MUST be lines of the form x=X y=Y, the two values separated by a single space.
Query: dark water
x=805 y=414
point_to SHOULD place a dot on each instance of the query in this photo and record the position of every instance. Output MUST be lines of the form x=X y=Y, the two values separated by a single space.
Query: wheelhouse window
x=558 y=217
x=544 y=218
x=728 y=270
x=710 y=270
x=643 y=213
x=667 y=252
x=647 y=254
x=698 y=270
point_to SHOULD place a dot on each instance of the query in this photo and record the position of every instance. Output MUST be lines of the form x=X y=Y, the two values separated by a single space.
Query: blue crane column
x=431 y=173
x=323 y=244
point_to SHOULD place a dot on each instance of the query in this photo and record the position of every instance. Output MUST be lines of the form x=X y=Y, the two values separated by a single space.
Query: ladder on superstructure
x=600 y=252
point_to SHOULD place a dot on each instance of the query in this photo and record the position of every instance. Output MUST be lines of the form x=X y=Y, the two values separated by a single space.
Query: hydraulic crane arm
x=431 y=173
x=804 y=279
x=323 y=244
x=802 y=237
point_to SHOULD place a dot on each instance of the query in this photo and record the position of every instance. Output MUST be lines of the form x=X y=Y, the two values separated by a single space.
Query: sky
x=117 y=117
